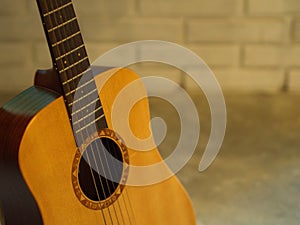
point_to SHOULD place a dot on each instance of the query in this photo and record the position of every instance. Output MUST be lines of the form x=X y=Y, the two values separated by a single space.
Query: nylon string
x=94 y=157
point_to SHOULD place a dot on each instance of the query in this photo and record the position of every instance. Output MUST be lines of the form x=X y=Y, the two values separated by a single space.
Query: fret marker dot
x=65 y=62
x=79 y=54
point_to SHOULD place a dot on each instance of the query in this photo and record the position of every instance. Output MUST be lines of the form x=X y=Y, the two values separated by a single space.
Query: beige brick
x=96 y=49
x=15 y=54
x=32 y=7
x=16 y=78
x=132 y=7
x=12 y=7
x=182 y=56
x=189 y=7
x=165 y=53
x=235 y=30
x=42 y=58
x=6 y=96
x=255 y=80
x=27 y=28
x=294 y=80
x=273 y=6
x=245 y=80
x=296 y=30
x=272 y=55
x=218 y=55
x=132 y=29
x=102 y=9
x=157 y=70
x=112 y=57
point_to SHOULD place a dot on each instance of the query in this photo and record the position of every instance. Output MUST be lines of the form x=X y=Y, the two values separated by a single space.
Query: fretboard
x=71 y=62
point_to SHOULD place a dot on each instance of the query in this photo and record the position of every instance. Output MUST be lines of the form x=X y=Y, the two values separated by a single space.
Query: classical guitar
x=58 y=151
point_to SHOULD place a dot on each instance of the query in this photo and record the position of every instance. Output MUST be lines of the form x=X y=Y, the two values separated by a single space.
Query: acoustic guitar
x=61 y=162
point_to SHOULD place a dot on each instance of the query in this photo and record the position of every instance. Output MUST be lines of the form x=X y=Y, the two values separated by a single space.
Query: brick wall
x=251 y=45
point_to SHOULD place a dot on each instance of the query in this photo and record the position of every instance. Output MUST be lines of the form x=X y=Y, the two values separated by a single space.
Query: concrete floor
x=256 y=177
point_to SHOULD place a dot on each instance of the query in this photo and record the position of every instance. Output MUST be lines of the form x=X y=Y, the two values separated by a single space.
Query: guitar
x=59 y=151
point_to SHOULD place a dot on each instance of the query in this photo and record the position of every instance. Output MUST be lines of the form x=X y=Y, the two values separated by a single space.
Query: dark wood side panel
x=16 y=200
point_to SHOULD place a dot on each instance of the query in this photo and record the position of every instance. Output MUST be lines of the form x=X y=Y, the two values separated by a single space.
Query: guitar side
x=45 y=155
x=16 y=201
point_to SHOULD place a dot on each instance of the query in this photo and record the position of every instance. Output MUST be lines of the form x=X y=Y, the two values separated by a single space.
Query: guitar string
x=103 y=169
x=59 y=51
x=109 y=152
x=113 y=184
x=130 y=206
x=104 y=150
x=81 y=134
x=118 y=203
x=125 y=195
x=97 y=150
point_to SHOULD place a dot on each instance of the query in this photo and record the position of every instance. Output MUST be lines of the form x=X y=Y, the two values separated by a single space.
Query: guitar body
x=37 y=155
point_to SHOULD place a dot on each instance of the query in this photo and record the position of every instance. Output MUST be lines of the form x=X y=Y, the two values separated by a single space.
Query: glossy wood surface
x=46 y=154
x=16 y=200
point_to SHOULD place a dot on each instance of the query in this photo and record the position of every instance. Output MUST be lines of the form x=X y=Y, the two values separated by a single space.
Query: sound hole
x=98 y=172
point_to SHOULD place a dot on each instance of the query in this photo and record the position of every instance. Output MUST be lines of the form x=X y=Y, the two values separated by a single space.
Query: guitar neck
x=71 y=62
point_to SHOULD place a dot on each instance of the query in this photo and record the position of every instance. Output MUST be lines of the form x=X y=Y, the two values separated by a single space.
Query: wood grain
x=46 y=153
x=17 y=202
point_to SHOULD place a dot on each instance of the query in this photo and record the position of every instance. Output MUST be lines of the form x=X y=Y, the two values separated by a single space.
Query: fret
x=74 y=78
x=70 y=52
x=73 y=82
x=63 y=32
x=49 y=5
x=57 y=9
x=65 y=39
x=87 y=120
x=76 y=86
x=62 y=24
x=77 y=70
x=84 y=107
x=87 y=116
x=83 y=97
x=63 y=48
x=75 y=64
x=71 y=59
x=91 y=123
x=56 y=18
x=80 y=87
